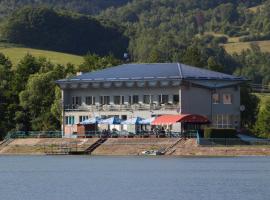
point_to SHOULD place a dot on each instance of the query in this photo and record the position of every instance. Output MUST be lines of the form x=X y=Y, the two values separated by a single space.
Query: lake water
x=133 y=178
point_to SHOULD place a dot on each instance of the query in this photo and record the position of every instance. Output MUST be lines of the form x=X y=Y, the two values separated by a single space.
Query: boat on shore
x=152 y=153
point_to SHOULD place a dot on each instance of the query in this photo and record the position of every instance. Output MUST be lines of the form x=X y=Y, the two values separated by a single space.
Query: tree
x=27 y=66
x=251 y=103
x=213 y=65
x=262 y=127
x=37 y=99
x=5 y=94
x=192 y=56
x=38 y=27
x=93 y=62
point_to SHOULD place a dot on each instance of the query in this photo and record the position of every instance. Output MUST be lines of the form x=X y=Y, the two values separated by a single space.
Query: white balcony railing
x=125 y=107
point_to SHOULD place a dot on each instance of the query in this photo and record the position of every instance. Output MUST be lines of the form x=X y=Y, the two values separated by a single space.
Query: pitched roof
x=154 y=71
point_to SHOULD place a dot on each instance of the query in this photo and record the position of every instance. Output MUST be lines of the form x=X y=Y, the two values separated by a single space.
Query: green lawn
x=237 y=47
x=15 y=54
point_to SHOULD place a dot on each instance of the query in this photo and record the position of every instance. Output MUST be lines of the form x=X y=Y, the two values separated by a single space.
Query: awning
x=132 y=121
x=110 y=121
x=90 y=121
x=147 y=121
x=185 y=118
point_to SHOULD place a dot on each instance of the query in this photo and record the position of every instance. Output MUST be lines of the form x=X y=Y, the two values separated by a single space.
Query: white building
x=147 y=90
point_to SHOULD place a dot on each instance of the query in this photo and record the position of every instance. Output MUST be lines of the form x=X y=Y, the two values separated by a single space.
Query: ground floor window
x=83 y=118
x=223 y=121
x=70 y=120
x=124 y=117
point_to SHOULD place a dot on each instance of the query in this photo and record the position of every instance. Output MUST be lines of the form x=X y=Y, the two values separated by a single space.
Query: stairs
x=5 y=143
x=92 y=148
x=171 y=149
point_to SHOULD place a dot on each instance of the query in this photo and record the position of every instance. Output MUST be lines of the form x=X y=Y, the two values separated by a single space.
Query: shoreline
x=135 y=156
x=173 y=147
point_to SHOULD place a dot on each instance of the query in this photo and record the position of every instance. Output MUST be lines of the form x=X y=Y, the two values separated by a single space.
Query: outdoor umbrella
x=133 y=121
x=110 y=121
x=94 y=120
x=147 y=121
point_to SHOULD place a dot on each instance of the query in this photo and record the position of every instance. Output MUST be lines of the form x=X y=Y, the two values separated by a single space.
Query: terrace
x=124 y=107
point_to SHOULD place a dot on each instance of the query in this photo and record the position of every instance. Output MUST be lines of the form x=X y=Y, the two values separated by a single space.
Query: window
x=223 y=121
x=70 y=120
x=176 y=99
x=215 y=98
x=105 y=100
x=90 y=100
x=117 y=100
x=76 y=100
x=227 y=99
x=146 y=99
x=135 y=99
x=130 y=100
x=124 y=117
x=83 y=118
x=163 y=99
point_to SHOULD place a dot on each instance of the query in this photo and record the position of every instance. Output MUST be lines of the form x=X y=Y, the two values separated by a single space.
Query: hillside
x=238 y=47
x=78 y=34
x=201 y=33
x=15 y=54
x=90 y=7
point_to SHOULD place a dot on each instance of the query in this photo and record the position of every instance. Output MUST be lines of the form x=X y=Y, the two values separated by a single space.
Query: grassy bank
x=237 y=47
x=16 y=53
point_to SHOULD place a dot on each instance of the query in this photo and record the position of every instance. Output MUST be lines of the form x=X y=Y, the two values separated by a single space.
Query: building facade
x=149 y=90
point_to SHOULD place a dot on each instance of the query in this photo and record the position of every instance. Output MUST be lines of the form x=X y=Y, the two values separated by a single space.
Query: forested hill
x=44 y=28
x=200 y=33
x=90 y=7
x=194 y=32
x=162 y=27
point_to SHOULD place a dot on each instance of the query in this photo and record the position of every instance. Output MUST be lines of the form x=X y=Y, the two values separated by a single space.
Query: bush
x=219 y=133
x=221 y=39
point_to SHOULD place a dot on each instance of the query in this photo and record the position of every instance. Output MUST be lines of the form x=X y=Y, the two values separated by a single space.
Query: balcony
x=125 y=107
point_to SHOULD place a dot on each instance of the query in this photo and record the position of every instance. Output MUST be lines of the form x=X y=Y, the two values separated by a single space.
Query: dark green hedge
x=219 y=133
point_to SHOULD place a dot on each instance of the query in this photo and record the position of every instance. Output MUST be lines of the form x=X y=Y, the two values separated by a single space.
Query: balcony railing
x=125 y=107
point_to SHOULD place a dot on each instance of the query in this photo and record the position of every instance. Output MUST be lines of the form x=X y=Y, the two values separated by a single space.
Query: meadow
x=16 y=53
